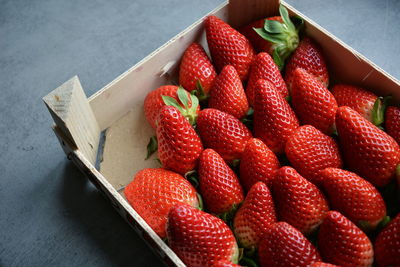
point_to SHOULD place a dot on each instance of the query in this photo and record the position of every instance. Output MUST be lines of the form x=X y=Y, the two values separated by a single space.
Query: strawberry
x=228 y=46
x=354 y=197
x=323 y=264
x=368 y=151
x=225 y=263
x=310 y=151
x=392 y=123
x=283 y=245
x=341 y=242
x=387 y=244
x=199 y=238
x=218 y=183
x=153 y=192
x=307 y=56
x=179 y=146
x=298 y=202
x=259 y=44
x=154 y=101
x=274 y=120
x=196 y=68
x=228 y=94
x=265 y=68
x=312 y=101
x=223 y=132
x=254 y=217
x=258 y=163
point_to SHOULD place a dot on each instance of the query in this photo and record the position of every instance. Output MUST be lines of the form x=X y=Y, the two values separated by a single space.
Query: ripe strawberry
x=154 y=191
x=223 y=133
x=265 y=68
x=312 y=101
x=228 y=46
x=258 y=163
x=310 y=151
x=227 y=93
x=283 y=245
x=341 y=242
x=307 y=56
x=298 y=202
x=153 y=103
x=219 y=185
x=179 y=146
x=199 y=238
x=274 y=120
x=225 y=263
x=354 y=197
x=368 y=151
x=323 y=264
x=253 y=218
x=392 y=123
x=387 y=244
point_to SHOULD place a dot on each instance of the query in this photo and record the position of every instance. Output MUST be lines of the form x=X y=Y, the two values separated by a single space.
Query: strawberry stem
x=187 y=106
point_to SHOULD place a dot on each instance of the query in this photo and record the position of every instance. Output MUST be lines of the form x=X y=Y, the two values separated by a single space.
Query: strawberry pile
x=263 y=163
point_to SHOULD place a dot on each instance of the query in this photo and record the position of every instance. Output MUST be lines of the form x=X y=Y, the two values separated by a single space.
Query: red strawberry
x=154 y=191
x=223 y=133
x=283 y=245
x=323 y=264
x=355 y=97
x=179 y=146
x=354 y=197
x=298 y=202
x=341 y=242
x=254 y=217
x=219 y=185
x=228 y=46
x=259 y=44
x=228 y=94
x=225 y=263
x=265 y=68
x=387 y=244
x=154 y=102
x=307 y=56
x=258 y=163
x=392 y=122
x=196 y=67
x=274 y=120
x=310 y=151
x=368 y=151
x=312 y=101
x=199 y=238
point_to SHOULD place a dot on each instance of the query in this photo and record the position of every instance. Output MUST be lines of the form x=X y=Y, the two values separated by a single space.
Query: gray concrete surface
x=49 y=214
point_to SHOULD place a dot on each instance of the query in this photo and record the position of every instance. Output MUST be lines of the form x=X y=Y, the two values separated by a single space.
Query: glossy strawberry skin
x=227 y=93
x=153 y=102
x=179 y=146
x=367 y=150
x=225 y=263
x=228 y=46
x=307 y=56
x=353 y=196
x=154 y=191
x=196 y=66
x=265 y=68
x=254 y=216
x=223 y=132
x=199 y=238
x=283 y=245
x=310 y=151
x=312 y=102
x=392 y=123
x=341 y=242
x=387 y=244
x=355 y=97
x=258 y=163
x=219 y=185
x=298 y=202
x=274 y=119
x=323 y=264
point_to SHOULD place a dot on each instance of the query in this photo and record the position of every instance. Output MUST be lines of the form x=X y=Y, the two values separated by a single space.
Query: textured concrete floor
x=49 y=214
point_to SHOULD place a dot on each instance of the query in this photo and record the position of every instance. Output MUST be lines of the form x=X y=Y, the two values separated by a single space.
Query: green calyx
x=187 y=106
x=283 y=35
x=152 y=146
x=379 y=109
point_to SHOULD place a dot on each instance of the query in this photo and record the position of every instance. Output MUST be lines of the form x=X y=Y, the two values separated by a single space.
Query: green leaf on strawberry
x=151 y=146
x=188 y=106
